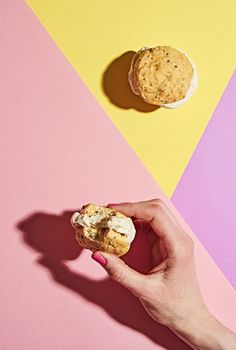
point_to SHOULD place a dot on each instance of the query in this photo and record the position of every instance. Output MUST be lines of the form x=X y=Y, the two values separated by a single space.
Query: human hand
x=170 y=292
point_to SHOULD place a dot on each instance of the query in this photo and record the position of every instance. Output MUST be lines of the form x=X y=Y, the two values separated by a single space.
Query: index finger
x=159 y=219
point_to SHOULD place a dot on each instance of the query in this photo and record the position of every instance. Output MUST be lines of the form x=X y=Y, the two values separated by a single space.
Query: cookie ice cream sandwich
x=104 y=229
x=163 y=76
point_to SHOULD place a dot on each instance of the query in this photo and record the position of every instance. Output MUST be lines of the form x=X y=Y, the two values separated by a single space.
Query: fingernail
x=152 y=239
x=99 y=258
x=137 y=225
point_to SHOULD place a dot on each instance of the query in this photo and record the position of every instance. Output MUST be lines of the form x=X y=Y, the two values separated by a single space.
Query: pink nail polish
x=99 y=258
x=137 y=225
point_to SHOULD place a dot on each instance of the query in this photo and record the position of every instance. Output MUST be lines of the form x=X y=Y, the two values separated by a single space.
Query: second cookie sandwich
x=163 y=76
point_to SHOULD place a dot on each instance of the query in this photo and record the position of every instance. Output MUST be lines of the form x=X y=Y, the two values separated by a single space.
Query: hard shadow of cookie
x=116 y=86
x=53 y=238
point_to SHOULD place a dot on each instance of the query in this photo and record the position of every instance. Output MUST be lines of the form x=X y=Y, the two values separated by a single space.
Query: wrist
x=206 y=333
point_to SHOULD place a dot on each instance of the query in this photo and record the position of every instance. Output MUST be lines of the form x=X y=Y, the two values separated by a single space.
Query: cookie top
x=162 y=74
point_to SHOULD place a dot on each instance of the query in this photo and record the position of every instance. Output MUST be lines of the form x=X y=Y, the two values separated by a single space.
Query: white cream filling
x=124 y=226
x=85 y=220
x=192 y=87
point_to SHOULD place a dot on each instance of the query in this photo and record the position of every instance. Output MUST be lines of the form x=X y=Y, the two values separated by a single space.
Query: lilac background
x=206 y=194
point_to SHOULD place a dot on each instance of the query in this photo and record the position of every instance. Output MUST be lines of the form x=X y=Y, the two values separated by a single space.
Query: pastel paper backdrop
x=59 y=150
x=99 y=39
x=206 y=194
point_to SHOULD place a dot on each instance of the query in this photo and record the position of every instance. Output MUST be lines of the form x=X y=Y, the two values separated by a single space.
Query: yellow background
x=91 y=34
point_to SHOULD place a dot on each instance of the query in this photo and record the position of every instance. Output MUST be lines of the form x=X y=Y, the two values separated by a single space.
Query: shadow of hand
x=116 y=86
x=53 y=237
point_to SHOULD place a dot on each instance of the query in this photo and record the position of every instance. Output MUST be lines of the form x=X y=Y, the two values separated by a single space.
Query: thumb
x=120 y=272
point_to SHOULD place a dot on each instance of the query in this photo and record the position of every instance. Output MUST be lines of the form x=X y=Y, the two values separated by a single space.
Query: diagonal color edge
x=206 y=193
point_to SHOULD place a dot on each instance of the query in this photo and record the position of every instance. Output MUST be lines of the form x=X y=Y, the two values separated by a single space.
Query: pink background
x=58 y=151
